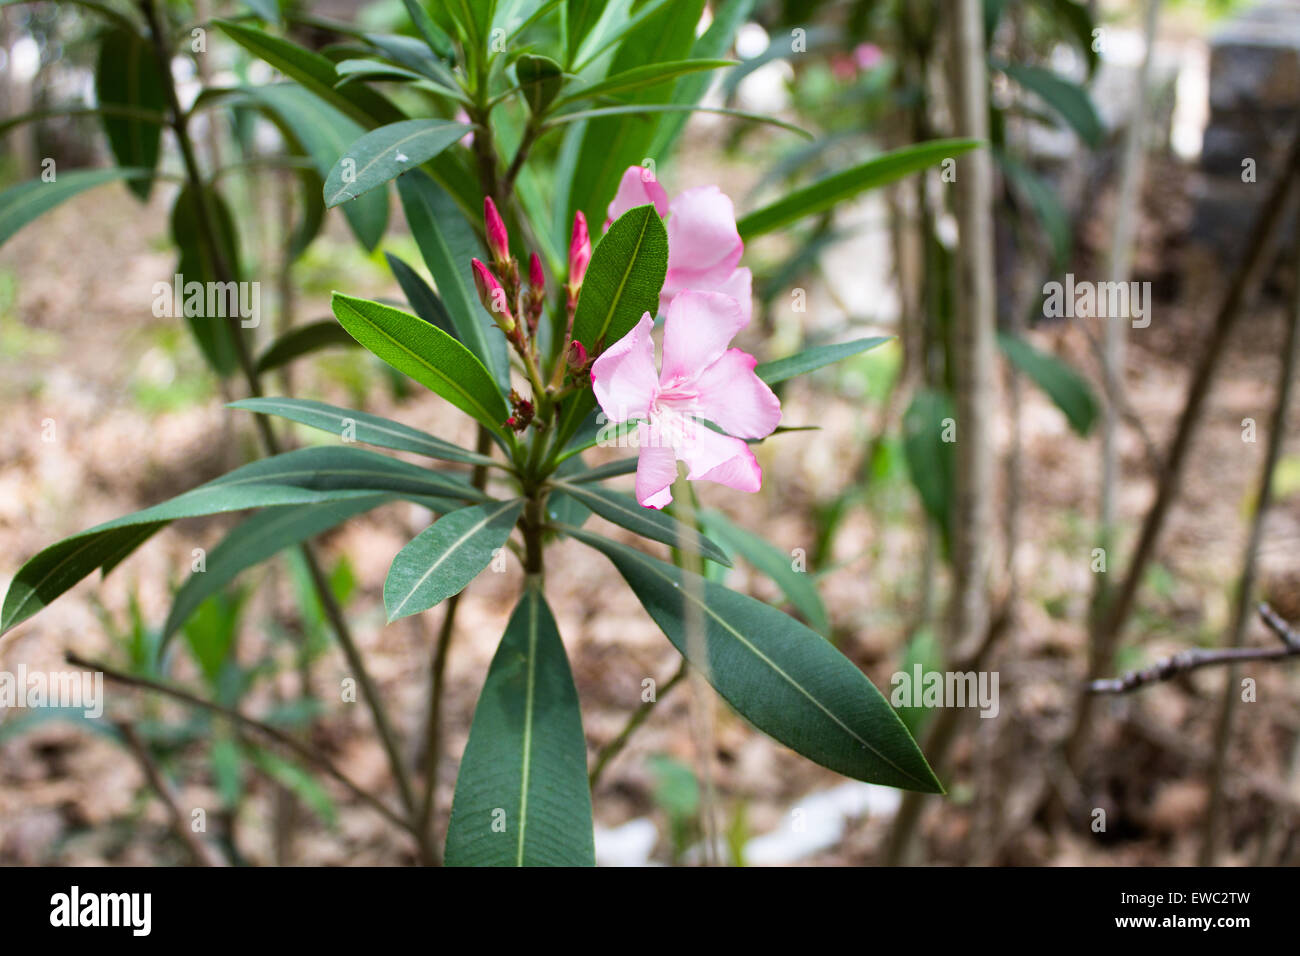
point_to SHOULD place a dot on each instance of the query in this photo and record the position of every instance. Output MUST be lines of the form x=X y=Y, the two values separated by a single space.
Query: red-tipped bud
x=493 y=296
x=497 y=238
x=536 y=278
x=577 y=356
x=579 y=250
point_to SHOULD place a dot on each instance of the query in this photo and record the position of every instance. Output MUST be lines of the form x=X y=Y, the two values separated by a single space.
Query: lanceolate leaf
x=423 y=300
x=624 y=511
x=324 y=133
x=255 y=540
x=799 y=587
x=626 y=272
x=446 y=556
x=306 y=476
x=837 y=187
x=521 y=795
x=540 y=79
x=806 y=361
x=447 y=243
x=347 y=423
x=127 y=75
x=303 y=340
x=640 y=76
x=386 y=153
x=427 y=354
x=28 y=201
x=582 y=17
x=210 y=328
x=1063 y=385
x=1068 y=99
x=930 y=459
x=781 y=676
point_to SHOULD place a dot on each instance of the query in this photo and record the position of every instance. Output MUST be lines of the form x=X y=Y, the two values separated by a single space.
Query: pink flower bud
x=493 y=296
x=497 y=237
x=536 y=278
x=579 y=250
x=577 y=356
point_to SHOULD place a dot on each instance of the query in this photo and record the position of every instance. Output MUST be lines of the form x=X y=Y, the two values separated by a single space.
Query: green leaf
x=300 y=782
x=1078 y=21
x=801 y=363
x=540 y=79
x=443 y=558
x=433 y=35
x=641 y=76
x=1045 y=203
x=728 y=17
x=624 y=511
x=305 y=476
x=364 y=427
x=610 y=144
x=521 y=795
x=303 y=340
x=847 y=183
x=386 y=153
x=427 y=354
x=212 y=332
x=636 y=112
x=1069 y=100
x=324 y=133
x=799 y=587
x=423 y=299
x=782 y=677
x=931 y=461
x=28 y=201
x=127 y=75
x=623 y=280
x=1063 y=385
x=447 y=243
x=254 y=541
x=612 y=469
x=582 y=16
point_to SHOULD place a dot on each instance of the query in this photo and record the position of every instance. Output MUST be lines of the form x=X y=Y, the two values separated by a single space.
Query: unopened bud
x=579 y=251
x=497 y=238
x=493 y=296
x=577 y=356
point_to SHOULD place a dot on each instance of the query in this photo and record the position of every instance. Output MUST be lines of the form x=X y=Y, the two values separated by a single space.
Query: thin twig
x=615 y=746
x=300 y=749
x=202 y=853
x=1196 y=658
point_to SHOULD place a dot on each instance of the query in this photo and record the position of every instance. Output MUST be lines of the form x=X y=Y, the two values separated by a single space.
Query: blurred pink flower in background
x=701 y=379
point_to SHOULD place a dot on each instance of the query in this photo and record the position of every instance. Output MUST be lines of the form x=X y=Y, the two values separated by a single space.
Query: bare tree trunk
x=973 y=354
x=1118 y=268
x=1246 y=583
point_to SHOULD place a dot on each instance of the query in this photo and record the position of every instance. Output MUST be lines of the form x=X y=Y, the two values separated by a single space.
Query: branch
x=300 y=749
x=1186 y=661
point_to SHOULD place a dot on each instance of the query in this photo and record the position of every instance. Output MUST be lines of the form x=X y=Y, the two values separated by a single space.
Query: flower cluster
x=700 y=382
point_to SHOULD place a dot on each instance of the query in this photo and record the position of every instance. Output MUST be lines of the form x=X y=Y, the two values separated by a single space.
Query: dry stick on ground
x=203 y=854
x=1110 y=620
x=1196 y=658
x=1246 y=582
x=292 y=744
x=206 y=219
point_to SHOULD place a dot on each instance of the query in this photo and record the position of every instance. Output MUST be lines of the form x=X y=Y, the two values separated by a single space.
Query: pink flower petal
x=624 y=377
x=735 y=399
x=637 y=187
x=698 y=329
x=702 y=236
x=656 y=469
x=715 y=457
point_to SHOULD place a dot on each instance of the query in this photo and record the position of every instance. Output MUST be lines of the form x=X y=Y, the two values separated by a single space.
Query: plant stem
x=224 y=273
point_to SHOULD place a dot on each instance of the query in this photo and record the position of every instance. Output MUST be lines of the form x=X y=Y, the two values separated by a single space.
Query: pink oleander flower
x=700 y=380
x=704 y=246
x=493 y=296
